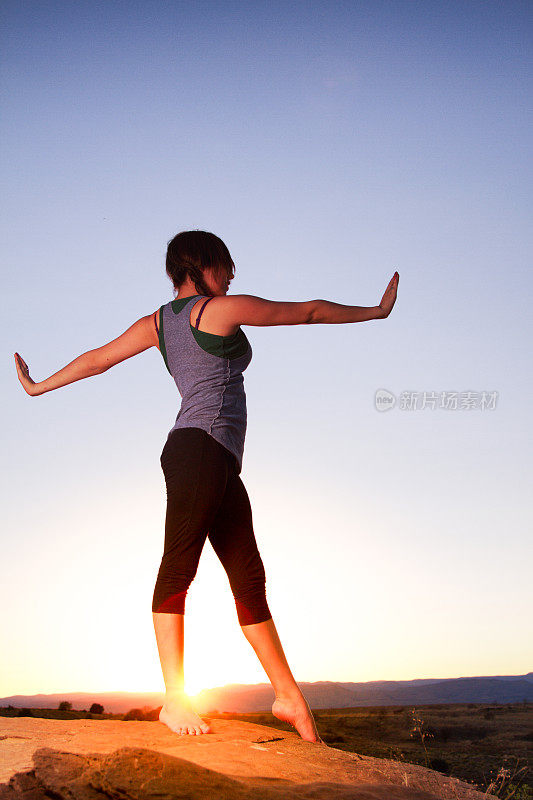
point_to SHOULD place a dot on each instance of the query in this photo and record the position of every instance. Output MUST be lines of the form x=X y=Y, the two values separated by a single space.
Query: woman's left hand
x=23 y=372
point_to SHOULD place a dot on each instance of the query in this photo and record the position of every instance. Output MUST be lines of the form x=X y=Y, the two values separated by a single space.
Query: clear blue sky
x=328 y=144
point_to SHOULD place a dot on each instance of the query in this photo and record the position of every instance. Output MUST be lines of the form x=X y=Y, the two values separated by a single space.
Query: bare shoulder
x=248 y=309
x=214 y=318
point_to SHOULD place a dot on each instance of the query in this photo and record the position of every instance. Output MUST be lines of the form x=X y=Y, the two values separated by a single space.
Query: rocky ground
x=94 y=759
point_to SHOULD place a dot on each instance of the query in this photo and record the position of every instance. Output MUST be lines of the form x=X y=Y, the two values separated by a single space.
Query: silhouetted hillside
x=243 y=698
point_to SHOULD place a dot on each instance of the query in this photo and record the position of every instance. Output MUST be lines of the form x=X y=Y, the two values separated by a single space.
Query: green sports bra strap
x=202 y=311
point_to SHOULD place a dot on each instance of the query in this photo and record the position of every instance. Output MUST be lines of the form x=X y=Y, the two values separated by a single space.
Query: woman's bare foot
x=180 y=718
x=294 y=710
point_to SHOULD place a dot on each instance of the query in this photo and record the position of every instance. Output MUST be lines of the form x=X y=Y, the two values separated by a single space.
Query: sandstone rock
x=91 y=759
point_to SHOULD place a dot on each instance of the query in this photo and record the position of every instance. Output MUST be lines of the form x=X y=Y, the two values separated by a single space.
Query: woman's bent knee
x=170 y=592
x=251 y=604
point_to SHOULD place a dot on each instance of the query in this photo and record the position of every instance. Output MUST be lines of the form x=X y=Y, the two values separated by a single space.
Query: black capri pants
x=207 y=498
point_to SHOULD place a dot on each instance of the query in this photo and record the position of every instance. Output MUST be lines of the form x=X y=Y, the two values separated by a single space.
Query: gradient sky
x=328 y=144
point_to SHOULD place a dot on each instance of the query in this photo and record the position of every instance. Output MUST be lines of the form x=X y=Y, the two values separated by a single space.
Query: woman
x=205 y=350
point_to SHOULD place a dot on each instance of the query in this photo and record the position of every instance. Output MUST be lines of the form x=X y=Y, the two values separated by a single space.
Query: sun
x=193 y=686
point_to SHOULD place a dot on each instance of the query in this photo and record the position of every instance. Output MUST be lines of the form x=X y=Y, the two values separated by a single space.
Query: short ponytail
x=189 y=253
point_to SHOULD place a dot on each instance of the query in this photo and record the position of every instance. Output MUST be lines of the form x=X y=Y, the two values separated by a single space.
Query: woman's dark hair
x=190 y=252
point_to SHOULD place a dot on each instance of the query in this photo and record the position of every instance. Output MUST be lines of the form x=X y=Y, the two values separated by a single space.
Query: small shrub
x=134 y=713
x=96 y=708
x=510 y=780
x=440 y=765
x=152 y=715
x=420 y=730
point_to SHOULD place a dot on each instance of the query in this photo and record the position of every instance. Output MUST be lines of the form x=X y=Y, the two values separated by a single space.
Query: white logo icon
x=384 y=400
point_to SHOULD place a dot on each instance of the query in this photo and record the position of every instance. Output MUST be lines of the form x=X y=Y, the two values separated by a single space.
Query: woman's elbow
x=314 y=312
x=96 y=362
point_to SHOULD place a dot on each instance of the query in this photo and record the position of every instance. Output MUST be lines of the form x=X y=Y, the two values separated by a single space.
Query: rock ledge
x=91 y=759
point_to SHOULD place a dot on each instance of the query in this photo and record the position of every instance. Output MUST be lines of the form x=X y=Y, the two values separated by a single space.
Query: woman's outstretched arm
x=250 y=310
x=138 y=337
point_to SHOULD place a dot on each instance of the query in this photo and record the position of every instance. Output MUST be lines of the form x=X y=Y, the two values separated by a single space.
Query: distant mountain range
x=242 y=698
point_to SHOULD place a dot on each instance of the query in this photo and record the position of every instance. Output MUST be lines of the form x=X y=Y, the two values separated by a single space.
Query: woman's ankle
x=289 y=694
x=175 y=695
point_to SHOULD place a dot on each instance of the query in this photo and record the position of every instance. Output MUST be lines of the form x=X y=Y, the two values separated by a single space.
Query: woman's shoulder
x=210 y=314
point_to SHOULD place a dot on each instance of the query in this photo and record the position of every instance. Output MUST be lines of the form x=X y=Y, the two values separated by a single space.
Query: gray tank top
x=208 y=371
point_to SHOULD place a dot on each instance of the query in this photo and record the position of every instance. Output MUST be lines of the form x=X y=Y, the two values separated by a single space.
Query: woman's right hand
x=23 y=372
x=389 y=297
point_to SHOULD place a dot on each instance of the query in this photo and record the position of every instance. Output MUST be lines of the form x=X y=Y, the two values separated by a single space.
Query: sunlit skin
x=223 y=317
